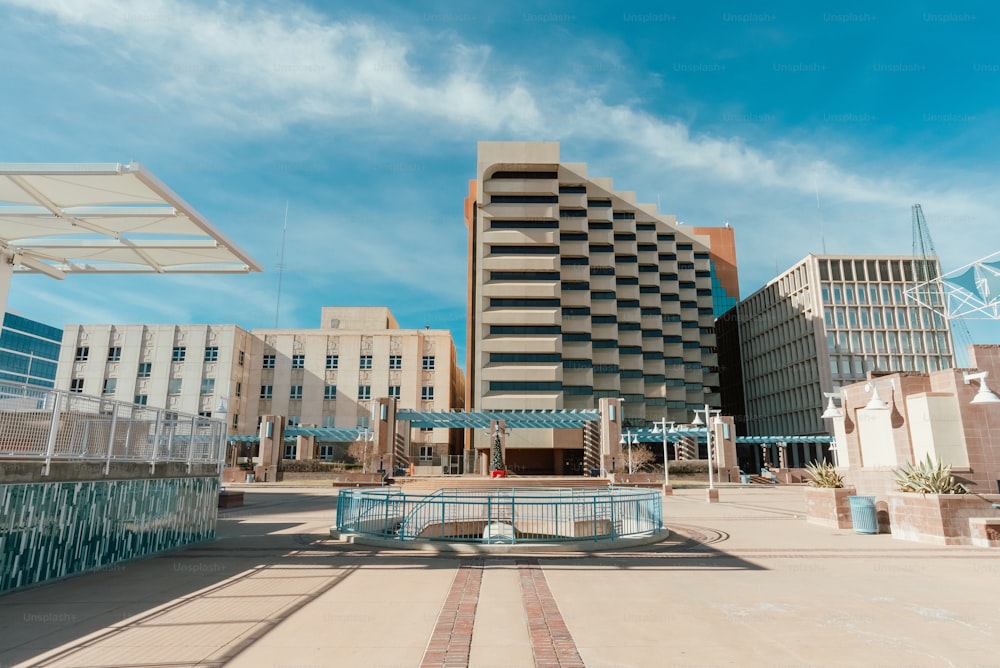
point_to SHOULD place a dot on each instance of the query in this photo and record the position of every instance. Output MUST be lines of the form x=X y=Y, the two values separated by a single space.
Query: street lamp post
x=708 y=423
x=366 y=436
x=660 y=426
x=629 y=438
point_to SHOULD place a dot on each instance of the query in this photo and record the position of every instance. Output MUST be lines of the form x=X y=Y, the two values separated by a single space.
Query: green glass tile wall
x=48 y=530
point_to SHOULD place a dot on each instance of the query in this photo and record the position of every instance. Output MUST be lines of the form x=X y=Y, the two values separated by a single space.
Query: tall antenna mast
x=281 y=266
x=819 y=212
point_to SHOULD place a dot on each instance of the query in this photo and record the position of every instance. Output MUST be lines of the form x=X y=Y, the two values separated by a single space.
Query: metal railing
x=45 y=424
x=501 y=515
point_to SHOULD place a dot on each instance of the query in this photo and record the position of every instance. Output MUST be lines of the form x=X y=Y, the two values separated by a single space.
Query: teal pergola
x=547 y=419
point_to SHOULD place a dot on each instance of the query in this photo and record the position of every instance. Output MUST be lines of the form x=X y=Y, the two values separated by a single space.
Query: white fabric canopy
x=106 y=218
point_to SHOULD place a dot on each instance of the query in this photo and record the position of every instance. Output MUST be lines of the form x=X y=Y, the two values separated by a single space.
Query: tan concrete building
x=577 y=292
x=183 y=368
x=825 y=323
x=332 y=376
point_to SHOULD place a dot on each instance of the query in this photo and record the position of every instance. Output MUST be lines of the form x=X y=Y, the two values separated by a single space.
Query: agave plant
x=824 y=475
x=928 y=477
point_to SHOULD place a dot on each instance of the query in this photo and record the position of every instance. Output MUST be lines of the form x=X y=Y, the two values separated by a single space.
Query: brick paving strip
x=451 y=641
x=551 y=642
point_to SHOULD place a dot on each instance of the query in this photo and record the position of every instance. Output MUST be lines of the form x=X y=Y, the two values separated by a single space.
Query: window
x=298 y=361
x=268 y=362
x=332 y=361
x=205 y=414
x=365 y=362
x=364 y=392
x=239 y=389
x=207 y=385
x=115 y=354
x=110 y=385
x=395 y=361
x=242 y=356
x=427 y=363
x=295 y=392
x=427 y=393
x=330 y=392
x=174 y=386
x=236 y=420
x=394 y=392
x=179 y=354
x=82 y=353
x=266 y=391
x=426 y=452
x=145 y=369
x=141 y=399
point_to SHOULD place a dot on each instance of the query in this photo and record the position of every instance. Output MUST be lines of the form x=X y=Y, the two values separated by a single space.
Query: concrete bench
x=985 y=531
x=358 y=480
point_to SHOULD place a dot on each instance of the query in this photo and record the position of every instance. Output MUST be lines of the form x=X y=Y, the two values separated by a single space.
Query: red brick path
x=551 y=642
x=451 y=641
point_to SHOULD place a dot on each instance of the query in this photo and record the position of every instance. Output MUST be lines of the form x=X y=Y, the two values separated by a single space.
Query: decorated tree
x=496 y=455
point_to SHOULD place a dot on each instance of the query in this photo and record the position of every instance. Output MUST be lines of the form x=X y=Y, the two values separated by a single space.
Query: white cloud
x=257 y=70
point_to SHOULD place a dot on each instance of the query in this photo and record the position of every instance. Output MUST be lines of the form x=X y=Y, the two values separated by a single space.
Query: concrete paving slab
x=745 y=581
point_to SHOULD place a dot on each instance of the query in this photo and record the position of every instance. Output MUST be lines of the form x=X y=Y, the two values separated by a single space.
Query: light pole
x=708 y=423
x=366 y=436
x=223 y=410
x=629 y=438
x=660 y=427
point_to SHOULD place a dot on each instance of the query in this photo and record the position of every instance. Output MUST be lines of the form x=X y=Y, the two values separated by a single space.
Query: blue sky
x=364 y=119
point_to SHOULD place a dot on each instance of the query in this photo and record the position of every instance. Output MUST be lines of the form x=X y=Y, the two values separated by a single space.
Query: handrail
x=479 y=515
x=51 y=425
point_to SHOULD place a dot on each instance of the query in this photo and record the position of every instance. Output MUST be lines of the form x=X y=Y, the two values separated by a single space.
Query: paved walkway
x=745 y=582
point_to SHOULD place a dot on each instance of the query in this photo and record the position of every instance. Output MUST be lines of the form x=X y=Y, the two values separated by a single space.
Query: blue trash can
x=863 y=515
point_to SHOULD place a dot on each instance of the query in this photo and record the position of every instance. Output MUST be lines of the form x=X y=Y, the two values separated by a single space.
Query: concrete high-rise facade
x=578 y=292
x=827 y=322
x=332 y=376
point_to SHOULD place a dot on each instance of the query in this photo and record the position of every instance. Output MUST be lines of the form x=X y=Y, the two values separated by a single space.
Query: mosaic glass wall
x=49 y=530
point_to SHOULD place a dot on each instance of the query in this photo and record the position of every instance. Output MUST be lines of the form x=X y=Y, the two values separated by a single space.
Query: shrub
x=928 y=477
x=309 y=466
x=824 y=475
x=689 y=467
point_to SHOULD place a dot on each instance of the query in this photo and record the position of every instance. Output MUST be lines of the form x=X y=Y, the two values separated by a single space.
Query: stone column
x=272 y=437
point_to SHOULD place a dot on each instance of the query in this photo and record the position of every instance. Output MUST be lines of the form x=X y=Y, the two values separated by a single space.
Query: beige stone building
x=825 y=323
x=577 y=292
x=331 y=376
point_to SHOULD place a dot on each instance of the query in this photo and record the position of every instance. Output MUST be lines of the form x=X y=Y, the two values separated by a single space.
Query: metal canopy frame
x=971 y=292
x=57 y=219
x=545 y=419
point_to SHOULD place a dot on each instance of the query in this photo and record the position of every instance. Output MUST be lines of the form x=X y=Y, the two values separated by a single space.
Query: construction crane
x=923 y=248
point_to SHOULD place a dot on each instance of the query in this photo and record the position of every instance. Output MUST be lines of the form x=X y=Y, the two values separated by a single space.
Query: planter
x=829 y=507
x=941 y=519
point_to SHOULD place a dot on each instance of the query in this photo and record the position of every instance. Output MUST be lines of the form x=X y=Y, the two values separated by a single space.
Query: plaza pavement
x=744 y=582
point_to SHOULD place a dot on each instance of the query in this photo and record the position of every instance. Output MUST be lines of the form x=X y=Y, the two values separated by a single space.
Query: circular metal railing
x=501 y=515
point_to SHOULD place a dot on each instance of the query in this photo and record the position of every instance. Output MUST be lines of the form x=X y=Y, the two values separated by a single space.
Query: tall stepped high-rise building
x=578 y=292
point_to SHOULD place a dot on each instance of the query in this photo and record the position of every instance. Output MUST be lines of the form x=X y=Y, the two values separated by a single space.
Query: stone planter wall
x=941 y=519
x=829 y=507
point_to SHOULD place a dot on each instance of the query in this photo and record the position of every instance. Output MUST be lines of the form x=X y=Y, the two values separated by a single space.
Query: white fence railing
x=47 y=425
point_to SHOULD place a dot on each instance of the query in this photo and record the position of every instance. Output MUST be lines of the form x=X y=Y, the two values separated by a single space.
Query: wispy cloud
x=235 y=65
x=261 y=70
